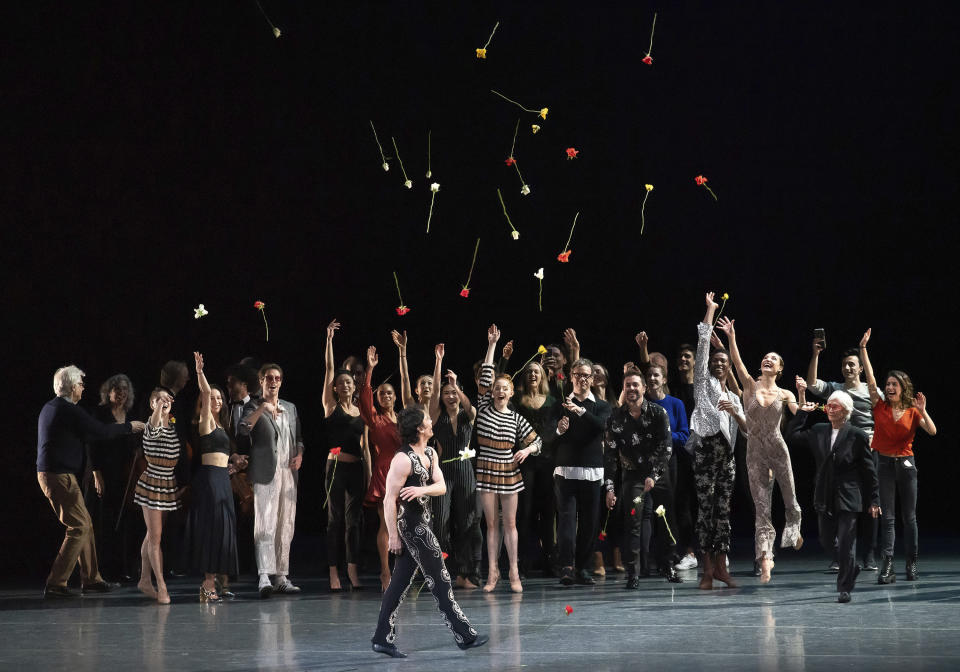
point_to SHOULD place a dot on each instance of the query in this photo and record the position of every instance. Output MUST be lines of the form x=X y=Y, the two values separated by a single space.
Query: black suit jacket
x=854 y=475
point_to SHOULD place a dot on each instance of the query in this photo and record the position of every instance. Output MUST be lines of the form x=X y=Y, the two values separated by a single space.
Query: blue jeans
x=898 y=475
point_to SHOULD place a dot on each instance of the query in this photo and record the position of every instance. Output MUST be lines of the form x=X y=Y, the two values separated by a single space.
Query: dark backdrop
x=162 y=155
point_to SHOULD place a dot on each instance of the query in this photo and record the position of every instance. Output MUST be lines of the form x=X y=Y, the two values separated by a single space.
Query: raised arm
x=367 y=410
x=814 y=362
x=726 y=325
x=505 y=356
x=926 y=422
x=642 y=342
x=438 y=352
x=868 y=368
x=329 y=370
x=406 y=395
x=464 y=399
x=573 y=345
x=711 y=309
x=206 y=424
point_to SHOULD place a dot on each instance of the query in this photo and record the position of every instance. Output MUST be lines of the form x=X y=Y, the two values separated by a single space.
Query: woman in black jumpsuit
x=414 y=477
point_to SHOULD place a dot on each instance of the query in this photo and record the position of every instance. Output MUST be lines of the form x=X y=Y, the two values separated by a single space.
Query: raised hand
x=452 y=377
x=801 y=384
x=642 y=339
x=570 y=339
x=493 y=334
x=400 y=341
x=372 y=358
x=818 y=346
x=866 y=338
x=198 y=360
x=715 y=341
x=920 y=401
x=332 y=328
x=438 y=350
x=726 y=325
x=710 y=302
x=630 y=366
x=508 y=349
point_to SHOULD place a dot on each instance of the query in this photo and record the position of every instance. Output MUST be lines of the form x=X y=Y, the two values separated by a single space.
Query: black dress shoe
x=584 y=578
x=756 y=568
x=57 y=592
x=479 y=641
x=566 y=576
x=672 y=576
x=844 y=597
x=99 y=587
x=390 y=650
x=633 y=582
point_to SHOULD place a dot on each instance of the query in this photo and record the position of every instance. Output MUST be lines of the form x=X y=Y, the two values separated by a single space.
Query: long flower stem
x=711 y=192
x=540 y=297
x=529 y=360
x=516 y=164
x=333 y=473
x=273 y=28
x=497 y=93
x=504 y=206
x=491 y=34
x=472 y=263
x=399 y=160
x=264 y=314
x=433 y=195
x=722 y=305
x=664 y=516
x=397 y=281
x=643 y=219
x=429 y=171
x=652 y=28
x=570 y=237
x=513 y=146
x=379 y=146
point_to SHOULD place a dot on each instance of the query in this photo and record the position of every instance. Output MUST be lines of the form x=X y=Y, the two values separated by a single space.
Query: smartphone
x=820 y=337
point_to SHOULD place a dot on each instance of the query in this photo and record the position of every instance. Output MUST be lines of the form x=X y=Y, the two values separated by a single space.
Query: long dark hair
x=408 y=422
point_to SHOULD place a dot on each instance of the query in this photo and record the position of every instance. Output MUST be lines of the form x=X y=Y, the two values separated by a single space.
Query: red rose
x=259 y=305
x=559 y=375
x=572 y=153
x=568 y=609
x=633 y=512
x=646 y=59
x=700 y=180
x=510 y=161
x=335 y=451
x=465 y=292
x=603 y=535
x=564 y=256
x=402 y=310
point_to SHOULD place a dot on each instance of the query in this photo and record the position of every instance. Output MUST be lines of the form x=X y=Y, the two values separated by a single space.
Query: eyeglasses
x=582 y=376
x=273 y=378
x=834 y=405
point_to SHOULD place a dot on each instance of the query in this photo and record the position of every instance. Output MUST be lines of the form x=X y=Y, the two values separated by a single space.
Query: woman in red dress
x=384 y=440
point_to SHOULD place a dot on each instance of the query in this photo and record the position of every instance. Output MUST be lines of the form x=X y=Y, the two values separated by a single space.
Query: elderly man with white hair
x=846 y=478
x=62 y=430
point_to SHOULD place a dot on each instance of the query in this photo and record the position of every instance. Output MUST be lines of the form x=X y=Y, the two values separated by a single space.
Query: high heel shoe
x=492 y=579
x=208 y=595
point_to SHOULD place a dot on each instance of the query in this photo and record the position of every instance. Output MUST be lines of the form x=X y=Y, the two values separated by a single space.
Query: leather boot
x=706 y=581
x=720 y=571
x=912 y=574
x=886 y=571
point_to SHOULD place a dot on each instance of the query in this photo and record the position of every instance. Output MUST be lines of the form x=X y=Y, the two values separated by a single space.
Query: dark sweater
x=62 y=430
x=582 y=444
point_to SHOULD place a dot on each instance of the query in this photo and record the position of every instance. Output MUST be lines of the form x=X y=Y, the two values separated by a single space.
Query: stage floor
x=793 y=623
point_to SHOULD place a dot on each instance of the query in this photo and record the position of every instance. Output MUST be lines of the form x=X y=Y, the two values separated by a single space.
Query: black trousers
x=657 y=526
x=578 y=507
x=846 y=526
x=343 y=511
x=456 y=519
x=536 y=514
x=898 y=475
x=420 y=550
x=685 y=500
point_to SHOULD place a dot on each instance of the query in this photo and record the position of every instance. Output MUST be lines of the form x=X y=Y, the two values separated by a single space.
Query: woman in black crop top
x=414 y=478
x=345 y=468
x=211 y=530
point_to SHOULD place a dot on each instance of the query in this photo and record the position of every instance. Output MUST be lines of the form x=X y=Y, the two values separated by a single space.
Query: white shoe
x=688 y=562
x=283 y=585
x=266 y=588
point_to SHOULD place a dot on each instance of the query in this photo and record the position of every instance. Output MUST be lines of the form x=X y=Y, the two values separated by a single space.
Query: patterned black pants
x=714 y=468
x=420 y=550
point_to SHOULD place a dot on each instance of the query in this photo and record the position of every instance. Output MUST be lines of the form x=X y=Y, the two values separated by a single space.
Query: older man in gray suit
x=276 y=450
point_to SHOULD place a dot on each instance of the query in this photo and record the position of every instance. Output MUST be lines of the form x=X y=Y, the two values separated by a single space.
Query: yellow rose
x=535 y=128
x=543 y=112
x=725 y=296
x=648 y=187
x=541 y=350
x=481 y=53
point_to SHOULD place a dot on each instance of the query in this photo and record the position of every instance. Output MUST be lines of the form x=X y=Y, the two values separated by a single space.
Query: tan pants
x=65 y=497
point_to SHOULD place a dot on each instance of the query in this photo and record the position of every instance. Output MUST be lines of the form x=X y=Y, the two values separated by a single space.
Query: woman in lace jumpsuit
x=768 y=459
x=414 y=477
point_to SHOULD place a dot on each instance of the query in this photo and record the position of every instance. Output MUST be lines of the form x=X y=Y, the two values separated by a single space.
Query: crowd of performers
x=547 y=463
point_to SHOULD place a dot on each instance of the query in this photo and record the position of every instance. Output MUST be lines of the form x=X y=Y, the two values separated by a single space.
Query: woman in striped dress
x=156 y=491
x=500 y=432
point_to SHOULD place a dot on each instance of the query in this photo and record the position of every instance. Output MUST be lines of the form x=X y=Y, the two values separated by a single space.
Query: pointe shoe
x=515 y=584
x=147 y=589
x=491 y=582
x=766 y=567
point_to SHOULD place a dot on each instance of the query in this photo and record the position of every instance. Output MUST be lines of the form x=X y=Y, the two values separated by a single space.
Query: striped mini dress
x=499 y=433
x=157 y=487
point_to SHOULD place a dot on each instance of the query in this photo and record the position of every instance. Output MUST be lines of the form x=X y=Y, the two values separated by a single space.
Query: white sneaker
x=688 y=562
x=266 y=588
x=283 y=585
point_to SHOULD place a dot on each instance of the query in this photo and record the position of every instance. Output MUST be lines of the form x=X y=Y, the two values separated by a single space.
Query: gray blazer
x=264 y=436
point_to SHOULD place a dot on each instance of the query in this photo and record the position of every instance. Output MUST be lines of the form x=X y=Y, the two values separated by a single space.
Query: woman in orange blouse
x=896 y=416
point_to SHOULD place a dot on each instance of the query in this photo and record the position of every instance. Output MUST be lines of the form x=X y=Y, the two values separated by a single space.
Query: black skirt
x=211 y=531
